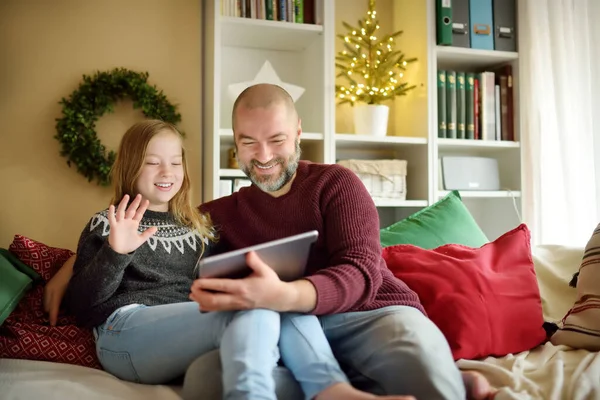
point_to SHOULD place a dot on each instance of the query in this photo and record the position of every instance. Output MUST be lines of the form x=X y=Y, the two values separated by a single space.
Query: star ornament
x=266 y=75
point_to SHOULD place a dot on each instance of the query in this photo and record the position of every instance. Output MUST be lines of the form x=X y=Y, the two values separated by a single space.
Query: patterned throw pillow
x=580 y=328
x=26 y=333
x=45 y=260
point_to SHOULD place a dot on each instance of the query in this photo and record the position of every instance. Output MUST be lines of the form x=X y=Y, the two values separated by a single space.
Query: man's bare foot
x=477 y=386
x=345 y=391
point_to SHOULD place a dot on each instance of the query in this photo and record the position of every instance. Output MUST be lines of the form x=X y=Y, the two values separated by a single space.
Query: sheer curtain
x=595 y=12
x=558 y=52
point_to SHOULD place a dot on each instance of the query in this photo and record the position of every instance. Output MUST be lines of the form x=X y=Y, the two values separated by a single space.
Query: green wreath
x=95 y=97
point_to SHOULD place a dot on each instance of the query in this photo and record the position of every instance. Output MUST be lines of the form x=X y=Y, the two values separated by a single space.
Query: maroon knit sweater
x=345 y=264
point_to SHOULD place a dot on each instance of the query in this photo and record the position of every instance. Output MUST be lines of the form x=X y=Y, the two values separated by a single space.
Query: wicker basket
x=384 y=179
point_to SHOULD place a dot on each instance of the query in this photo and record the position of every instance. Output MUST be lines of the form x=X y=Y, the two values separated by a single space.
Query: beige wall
x=45 y=48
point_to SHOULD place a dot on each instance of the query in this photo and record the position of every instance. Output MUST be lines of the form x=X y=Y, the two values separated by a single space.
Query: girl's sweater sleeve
x=97 y=272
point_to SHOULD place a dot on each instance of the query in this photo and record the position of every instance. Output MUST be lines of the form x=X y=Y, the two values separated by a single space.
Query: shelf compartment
x=400 y=203
x=484 y=193
x=461 y=58
x=269 y=35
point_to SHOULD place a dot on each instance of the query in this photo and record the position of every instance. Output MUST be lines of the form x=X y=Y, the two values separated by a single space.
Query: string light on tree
x=371 y=66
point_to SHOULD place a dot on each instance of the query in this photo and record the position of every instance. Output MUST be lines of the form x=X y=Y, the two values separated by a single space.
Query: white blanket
x=548 y=372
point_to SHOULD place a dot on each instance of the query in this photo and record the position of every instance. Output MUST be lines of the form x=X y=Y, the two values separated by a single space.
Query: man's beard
x=267 y=183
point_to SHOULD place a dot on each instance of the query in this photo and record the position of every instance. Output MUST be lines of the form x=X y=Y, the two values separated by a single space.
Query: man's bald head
x=264 y=95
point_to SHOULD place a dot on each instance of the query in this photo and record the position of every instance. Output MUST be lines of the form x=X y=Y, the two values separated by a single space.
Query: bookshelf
x=495 y=211
x=303 y=54
x=235 y=50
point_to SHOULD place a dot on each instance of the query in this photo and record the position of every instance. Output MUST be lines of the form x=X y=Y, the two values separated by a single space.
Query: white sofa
x=547 y=372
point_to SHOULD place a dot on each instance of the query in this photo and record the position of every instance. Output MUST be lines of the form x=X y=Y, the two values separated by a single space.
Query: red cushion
x=45 y=260
x=26 y=333
x=485 y=300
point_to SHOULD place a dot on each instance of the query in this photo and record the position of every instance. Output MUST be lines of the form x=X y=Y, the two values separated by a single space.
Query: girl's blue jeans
x=156 y=344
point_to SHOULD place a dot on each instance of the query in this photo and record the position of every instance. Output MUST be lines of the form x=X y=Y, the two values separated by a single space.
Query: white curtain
x=558 y=56
x=595 y=43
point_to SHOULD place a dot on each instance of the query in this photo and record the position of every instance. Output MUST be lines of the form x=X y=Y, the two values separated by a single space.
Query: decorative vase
x=371 y=119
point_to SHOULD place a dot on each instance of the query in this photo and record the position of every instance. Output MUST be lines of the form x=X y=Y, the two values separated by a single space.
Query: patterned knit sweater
x=345 y=264
x=160 y=271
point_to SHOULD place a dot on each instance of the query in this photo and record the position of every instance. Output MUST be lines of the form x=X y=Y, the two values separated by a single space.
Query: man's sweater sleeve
x=97 y=272
x=353 y=276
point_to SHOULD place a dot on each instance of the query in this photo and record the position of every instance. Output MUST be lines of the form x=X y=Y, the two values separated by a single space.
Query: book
x=461 y=112
x=451 y=104
x=487 y=110
x=441 y=101
x=470 y=105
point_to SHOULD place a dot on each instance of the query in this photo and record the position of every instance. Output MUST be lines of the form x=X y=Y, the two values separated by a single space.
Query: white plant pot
x=371 y=119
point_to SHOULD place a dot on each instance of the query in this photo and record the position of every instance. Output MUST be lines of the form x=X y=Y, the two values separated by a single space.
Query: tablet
x=287 y=257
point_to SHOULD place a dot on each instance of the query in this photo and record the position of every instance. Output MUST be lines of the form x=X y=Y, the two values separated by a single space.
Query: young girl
x=135 y=264
x=134 y=267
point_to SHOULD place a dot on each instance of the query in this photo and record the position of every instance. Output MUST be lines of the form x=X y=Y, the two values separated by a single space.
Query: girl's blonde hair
x=128 y=165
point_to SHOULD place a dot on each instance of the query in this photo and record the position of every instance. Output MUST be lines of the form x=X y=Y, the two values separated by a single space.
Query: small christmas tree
x=371 y=66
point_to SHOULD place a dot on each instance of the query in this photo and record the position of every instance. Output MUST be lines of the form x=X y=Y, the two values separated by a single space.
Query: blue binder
x=482 y=24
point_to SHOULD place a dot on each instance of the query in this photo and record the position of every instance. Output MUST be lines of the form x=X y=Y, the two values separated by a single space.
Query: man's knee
x=404 y=352
x=411 y=326
x=410 y=335
x=399 y=328
x=423 y=352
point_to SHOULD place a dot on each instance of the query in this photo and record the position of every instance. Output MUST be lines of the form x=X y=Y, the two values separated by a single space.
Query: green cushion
x=20 y=265
x=13 y=286
x=446 y=222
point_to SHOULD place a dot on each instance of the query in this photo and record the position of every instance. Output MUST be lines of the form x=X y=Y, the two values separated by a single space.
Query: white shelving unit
x=235 y=49
x=495 y=211
x=304 y=55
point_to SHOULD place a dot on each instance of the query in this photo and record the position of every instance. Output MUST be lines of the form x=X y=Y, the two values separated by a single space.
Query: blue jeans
x=305 y=351
x=393 y=350
x=157 y=344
